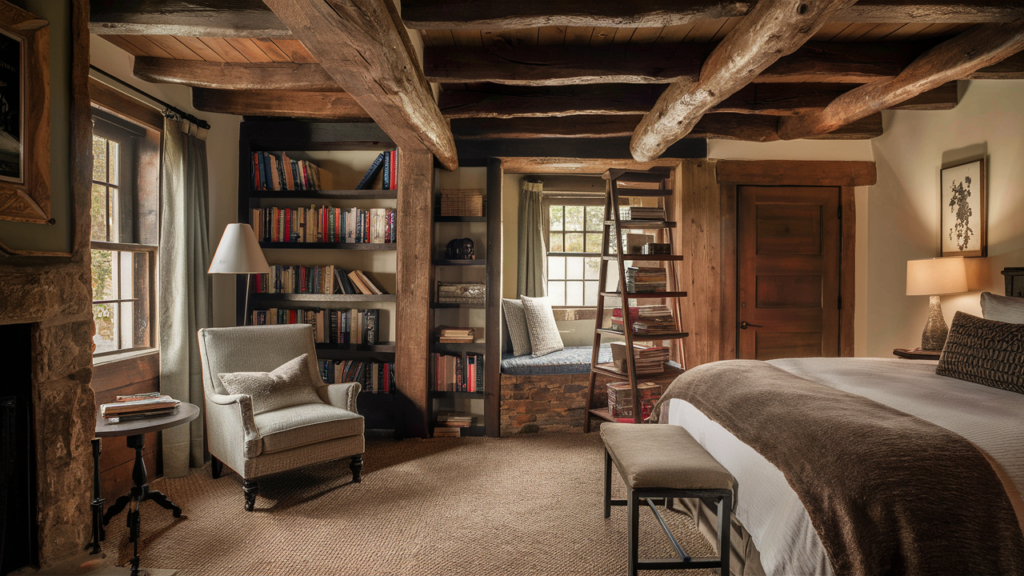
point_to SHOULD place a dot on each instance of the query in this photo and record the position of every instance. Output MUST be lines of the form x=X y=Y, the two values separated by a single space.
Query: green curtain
x=532 y=278
x=184 y=299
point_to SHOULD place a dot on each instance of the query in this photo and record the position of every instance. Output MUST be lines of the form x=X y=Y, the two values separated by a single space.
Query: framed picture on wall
x=964 y=197
x=24 y=116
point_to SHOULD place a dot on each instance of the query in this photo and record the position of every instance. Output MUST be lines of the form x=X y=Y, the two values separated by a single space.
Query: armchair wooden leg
x=250 y=488
x=216 y=467
x=356 y=465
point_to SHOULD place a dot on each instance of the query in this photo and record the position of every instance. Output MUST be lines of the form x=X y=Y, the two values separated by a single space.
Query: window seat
x=571 y=360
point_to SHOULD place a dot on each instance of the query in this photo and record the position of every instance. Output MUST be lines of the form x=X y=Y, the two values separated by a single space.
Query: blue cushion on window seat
x=571 y=360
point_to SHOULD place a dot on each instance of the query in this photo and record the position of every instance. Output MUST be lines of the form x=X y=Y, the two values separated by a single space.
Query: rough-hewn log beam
x=498 y=101
x=476 y=15
x=721 y=126
x=980 y=46
x=365 y=48
x=201 y=18
x=770 y=30
x=321 y=105
x=234 y=76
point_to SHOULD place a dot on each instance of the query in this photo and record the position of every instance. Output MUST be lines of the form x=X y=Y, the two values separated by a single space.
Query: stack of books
x=138 y=406
x=463 y=373
x=329 y=326
x=646 y=359
x=643 y=279
x=376 y=377
x=642 y=213
x=456 y=336
x=647 y=320
x=450 y=424
x=620 y=399
x=652 y=248
x=325 y=224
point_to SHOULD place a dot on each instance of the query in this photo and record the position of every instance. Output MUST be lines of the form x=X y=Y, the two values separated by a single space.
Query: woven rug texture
x=520 y=506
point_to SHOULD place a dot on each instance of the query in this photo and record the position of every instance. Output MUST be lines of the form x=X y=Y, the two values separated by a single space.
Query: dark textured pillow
x=287 y=385
x=984 y=351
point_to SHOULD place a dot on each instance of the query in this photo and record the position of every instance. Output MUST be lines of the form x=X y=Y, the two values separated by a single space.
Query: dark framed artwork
x=24 y=116
x=964 y=199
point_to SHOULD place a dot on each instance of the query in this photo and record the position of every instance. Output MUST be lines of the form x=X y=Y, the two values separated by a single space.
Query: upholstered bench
x=663 y=462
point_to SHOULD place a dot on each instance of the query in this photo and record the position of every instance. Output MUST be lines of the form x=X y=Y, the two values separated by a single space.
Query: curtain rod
x=197 y=121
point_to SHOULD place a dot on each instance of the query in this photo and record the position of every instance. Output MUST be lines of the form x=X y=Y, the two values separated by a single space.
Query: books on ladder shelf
x=138 y=406
x=449 y=424
x=646 y=359
x=642 y=213
x=649 y=320
x=456 y=336
x=642 y=279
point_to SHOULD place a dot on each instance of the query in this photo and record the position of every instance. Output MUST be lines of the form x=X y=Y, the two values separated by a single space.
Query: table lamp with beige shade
x=934 y=277
x=239 y=253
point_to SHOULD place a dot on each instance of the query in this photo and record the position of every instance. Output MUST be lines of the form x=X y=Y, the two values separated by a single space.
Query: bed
x=775 y=532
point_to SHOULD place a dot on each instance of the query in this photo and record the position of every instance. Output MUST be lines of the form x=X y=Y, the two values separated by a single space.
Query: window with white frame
x=574 y=235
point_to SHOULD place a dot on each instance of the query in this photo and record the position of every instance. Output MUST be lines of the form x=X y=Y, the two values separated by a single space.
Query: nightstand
x=917 y=354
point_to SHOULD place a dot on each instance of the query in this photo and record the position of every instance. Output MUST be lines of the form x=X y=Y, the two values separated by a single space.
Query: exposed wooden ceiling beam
x=234 y=75
x=770 y=30
x=290 y=104
x=200 y=18
x=498 y=101
x=365 y=48
x=476 y=15
x=977 y=48
x=721 y=126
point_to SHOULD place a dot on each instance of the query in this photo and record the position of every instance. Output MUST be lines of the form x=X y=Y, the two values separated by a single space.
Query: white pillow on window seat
x=544 y=336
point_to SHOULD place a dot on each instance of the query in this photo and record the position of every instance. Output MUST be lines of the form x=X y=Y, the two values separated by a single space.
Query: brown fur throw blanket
x=887 y=493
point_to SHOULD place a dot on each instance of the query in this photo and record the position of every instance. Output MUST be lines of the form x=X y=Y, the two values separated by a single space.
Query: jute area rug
x=526 y=505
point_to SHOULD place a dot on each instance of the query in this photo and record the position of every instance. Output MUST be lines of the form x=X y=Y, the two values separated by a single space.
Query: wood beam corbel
x=335 y=105
x=772 y=29
x=366 y=49
x=981 y=46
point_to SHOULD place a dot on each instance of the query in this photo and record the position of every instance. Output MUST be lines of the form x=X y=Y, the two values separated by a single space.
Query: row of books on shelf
x=326 y=224
x=649 y=320
x=450 y=424
x=329 y=326
x=643 y=279
x=376 y=377
x=386 y=162
x=285 y=279
x=463 y=373
x=138 y=406
x=276 y=171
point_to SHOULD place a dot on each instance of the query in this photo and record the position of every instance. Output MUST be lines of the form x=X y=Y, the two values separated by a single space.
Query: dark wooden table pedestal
x=135 y=430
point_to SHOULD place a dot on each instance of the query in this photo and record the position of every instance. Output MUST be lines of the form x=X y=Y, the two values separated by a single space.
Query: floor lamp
x=240 y=253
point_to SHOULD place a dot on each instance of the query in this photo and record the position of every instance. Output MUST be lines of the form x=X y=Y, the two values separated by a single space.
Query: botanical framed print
x=964 y=222
x=24 y=115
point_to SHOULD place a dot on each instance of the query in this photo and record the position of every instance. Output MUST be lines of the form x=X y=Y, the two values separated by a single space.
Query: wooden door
x=789 y=251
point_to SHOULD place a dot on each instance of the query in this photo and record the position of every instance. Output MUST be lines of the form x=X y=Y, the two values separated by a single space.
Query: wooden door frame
x=844 y=175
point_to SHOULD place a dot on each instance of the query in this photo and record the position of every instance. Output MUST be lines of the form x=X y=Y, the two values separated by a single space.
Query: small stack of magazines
x=138 y=406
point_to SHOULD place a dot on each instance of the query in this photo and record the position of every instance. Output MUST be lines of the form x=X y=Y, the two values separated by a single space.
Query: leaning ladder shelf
x=629 y=183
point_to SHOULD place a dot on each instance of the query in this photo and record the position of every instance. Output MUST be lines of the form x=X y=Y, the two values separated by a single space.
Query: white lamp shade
x=239 y=252
x=936 y=276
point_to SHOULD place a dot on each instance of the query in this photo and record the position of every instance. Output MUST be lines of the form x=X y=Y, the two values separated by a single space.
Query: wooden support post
x=415 y=279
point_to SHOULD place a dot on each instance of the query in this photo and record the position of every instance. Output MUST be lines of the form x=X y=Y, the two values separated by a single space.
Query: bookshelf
x=342 y=152
x=485 y=231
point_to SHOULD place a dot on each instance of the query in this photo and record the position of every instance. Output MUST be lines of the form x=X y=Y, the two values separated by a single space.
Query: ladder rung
x=647 y=257
x=645 y=337
x=643 y=193
x=642 y=224
x=646 y=294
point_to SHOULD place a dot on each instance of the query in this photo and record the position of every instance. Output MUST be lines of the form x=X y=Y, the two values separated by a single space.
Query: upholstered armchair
x=257 y=445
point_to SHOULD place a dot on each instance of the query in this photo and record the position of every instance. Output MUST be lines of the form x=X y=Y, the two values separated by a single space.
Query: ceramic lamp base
x=935 y=331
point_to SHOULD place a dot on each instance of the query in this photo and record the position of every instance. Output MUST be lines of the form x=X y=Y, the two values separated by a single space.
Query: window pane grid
x=575 y=233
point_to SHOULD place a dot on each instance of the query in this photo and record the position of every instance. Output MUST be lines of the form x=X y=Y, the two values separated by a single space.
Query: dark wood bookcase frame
x=382 y=411
x=491 y=347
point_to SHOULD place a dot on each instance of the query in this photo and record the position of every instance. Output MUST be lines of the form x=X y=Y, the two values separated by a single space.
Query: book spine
x=387 y=171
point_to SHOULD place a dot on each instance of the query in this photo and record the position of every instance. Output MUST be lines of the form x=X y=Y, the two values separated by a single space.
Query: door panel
x=788 y=243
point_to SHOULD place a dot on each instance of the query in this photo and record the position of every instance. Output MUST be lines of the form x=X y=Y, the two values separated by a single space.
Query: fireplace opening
x=17 y=452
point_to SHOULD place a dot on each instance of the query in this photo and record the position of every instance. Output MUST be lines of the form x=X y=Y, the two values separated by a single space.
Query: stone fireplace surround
x=53 y=293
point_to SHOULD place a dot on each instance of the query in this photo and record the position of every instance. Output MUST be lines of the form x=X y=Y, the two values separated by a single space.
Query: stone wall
x=53 y=293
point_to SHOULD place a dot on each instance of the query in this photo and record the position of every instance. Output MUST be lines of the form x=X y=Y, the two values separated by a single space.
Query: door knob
x=744 y=325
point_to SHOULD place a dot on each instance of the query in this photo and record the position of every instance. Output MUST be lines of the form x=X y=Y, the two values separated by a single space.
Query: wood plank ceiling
x=560 y=80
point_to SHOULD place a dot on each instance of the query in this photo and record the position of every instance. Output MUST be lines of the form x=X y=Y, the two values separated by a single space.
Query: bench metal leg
x=724 y=531
x=633 y=515
x=607 y=484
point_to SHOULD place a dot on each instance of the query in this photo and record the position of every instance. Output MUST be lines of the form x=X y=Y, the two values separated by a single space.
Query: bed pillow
x=1002 y=308
x=515 y=321
x=290 y=384
x=984 y=351
x=544 y=336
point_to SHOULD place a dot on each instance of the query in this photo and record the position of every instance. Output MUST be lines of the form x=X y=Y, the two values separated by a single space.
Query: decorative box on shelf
x=461 y=293
x=462 y=203
x=620 y=398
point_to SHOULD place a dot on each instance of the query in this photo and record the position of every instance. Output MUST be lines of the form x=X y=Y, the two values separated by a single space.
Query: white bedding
x=769 y=509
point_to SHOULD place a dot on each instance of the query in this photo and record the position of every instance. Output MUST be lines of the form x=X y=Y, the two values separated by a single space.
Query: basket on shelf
x=461 y=293
x=462 y=203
